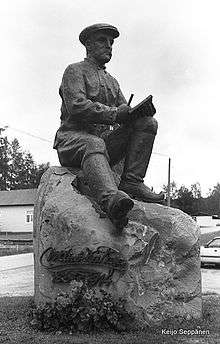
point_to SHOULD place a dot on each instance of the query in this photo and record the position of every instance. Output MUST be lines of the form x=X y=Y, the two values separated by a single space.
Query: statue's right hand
x=123 y=114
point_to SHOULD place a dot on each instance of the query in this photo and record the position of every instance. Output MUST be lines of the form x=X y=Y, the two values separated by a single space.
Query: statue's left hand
x=123 y=114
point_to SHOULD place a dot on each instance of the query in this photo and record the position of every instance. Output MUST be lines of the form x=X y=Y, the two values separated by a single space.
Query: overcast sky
x=169 y=49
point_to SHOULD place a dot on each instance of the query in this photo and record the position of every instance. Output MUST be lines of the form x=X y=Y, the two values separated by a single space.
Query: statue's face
x=99 y=46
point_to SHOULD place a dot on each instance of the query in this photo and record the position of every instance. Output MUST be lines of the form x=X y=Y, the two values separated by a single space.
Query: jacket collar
x=93 y=62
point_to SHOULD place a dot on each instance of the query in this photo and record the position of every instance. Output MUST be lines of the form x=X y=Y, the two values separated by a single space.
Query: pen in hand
x=130 y=99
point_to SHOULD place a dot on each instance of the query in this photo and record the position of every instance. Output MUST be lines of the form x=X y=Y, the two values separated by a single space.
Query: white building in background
x=16 y=210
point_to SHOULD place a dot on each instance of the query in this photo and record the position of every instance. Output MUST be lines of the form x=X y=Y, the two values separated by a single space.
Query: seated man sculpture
x=92 y=102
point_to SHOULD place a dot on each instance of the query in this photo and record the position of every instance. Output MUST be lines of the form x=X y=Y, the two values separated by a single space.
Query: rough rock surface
x=154 y=263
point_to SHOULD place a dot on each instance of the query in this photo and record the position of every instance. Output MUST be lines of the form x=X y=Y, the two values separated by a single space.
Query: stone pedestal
x=154 y=264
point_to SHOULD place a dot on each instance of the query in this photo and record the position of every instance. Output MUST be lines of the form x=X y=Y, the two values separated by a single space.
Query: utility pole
x=168 y=184
x=169 y=172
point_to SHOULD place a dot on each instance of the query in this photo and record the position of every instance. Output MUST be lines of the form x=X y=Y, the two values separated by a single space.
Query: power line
x=29 y=134
x=45 y=140
x=167 y=156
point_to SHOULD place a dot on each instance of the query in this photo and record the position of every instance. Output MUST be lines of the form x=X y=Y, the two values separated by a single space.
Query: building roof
x=18 y=197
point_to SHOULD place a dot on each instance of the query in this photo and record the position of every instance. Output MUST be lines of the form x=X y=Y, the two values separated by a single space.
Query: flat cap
x=84 y=35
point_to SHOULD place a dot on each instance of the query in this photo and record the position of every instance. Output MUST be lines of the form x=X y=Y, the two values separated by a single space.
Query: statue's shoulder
x=75 y=66
x=115 y=81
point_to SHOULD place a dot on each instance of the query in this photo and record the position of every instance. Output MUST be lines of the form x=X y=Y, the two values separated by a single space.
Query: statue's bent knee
x=148 y=124
x=95 y=145
x=152 y=125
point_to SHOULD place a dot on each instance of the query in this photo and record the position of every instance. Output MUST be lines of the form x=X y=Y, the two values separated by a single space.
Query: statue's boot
x=101 y=182
x=135 y=167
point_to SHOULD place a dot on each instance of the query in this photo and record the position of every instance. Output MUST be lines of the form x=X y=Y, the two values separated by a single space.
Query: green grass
x=16 y=235
x=8 y=248
x=15 y=249
x=15 y=327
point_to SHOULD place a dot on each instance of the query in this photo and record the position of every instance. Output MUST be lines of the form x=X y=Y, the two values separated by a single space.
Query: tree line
x=18 y=170
x=190 y=199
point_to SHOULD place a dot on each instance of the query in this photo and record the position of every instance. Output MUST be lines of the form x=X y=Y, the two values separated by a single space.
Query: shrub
x=85 y=310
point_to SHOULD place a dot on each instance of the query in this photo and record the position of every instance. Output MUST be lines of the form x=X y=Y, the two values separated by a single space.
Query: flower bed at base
x=83 y=309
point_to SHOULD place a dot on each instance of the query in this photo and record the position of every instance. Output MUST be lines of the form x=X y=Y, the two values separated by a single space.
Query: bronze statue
x=92 y=102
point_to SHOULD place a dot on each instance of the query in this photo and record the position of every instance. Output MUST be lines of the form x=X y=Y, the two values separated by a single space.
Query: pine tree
x=4 y=163
x=17 y=167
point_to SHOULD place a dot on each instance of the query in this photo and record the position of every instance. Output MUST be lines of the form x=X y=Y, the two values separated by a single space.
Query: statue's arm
x=121 y=99
x=73 y=93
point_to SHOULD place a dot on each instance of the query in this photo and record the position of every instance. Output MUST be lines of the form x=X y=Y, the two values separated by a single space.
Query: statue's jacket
x=90 y=97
